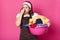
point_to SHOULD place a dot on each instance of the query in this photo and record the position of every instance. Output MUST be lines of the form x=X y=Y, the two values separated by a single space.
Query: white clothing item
x=35 y=14
x=26 y=15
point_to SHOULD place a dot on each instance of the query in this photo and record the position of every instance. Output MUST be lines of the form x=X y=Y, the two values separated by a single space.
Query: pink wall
x=9 y=9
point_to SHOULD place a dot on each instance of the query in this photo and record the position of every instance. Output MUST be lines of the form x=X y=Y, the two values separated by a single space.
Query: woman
x=23 y=18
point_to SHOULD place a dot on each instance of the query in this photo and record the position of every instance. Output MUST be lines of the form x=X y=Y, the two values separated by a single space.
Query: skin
x=24 y=10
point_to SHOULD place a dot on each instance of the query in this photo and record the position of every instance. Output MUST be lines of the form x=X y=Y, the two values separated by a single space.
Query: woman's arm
x=18 y=19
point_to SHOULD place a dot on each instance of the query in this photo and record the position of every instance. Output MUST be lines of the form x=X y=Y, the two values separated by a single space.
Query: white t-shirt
x=35 y=14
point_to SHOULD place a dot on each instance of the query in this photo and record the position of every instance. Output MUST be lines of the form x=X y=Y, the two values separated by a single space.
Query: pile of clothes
x=38 y=21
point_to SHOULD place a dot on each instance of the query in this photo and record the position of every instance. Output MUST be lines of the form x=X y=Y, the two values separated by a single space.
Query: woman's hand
x=18 y=20
x=22 y=11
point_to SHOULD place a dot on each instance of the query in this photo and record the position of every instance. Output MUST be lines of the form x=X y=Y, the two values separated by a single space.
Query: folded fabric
x=41 y=24
x=26 y=25
x=39 y=21
x=33 y=25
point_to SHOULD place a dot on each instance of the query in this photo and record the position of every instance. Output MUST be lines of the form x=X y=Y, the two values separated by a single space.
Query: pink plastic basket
x=38 y=30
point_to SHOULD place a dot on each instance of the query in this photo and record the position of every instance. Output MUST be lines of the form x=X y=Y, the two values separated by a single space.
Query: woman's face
x=26 y=8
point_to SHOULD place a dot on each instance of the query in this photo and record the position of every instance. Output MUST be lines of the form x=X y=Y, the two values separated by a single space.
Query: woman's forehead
x=25 y=5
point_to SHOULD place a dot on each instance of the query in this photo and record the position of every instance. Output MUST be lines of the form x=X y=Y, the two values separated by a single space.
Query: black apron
x=25 y=33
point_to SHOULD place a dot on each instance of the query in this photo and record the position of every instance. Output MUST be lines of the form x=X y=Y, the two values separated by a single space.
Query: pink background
x=9 y=9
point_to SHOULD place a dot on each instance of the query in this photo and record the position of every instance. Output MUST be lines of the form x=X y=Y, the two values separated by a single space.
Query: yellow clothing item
x=43 y=18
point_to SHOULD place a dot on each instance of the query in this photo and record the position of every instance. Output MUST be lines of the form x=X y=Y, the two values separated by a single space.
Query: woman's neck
x=26 y=14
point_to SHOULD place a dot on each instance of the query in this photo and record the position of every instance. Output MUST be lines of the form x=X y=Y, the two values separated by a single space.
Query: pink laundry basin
x=38 y=30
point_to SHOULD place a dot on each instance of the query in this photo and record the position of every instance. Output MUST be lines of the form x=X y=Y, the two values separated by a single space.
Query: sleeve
x=35 y=14
x=17 y=15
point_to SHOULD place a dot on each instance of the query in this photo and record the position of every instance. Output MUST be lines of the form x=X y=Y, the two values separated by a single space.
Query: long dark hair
x=31 y=9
